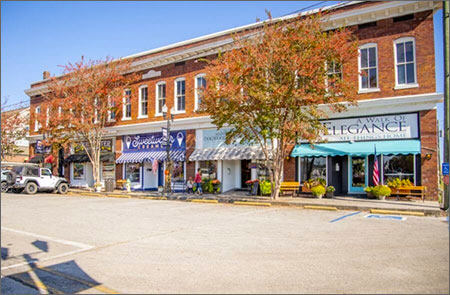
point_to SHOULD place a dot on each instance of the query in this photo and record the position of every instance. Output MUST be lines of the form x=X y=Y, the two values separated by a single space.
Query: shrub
x=330 y=189
x=369 y=189
x=265 y=187
x=381 y=190
x=318 y=190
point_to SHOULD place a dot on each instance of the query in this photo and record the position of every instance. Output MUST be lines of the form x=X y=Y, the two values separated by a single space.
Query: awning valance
x=363 y=148
x=149 y=156
x=227 y=153
x=83 y=158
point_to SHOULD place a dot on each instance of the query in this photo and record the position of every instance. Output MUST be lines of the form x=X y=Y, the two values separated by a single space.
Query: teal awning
x=363 y=148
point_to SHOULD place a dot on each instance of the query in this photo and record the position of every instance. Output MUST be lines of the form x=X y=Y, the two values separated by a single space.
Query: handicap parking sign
x=445 y=169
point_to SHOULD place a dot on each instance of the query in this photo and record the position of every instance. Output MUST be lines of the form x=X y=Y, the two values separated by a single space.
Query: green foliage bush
x=330 y=189
x=318 y=190
x=381 y=190
x=265 y=187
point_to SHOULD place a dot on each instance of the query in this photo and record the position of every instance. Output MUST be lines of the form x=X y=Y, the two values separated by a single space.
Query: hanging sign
x=152 y=141
x=445 y=169
x=401 y=126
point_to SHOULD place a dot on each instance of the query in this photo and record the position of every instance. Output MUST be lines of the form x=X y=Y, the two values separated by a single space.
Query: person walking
x=198 y=182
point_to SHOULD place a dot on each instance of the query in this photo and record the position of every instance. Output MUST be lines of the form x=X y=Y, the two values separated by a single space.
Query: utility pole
x=445 y=17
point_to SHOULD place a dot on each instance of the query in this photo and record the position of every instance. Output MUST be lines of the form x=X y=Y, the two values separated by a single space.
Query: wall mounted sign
x=390 y=127
x=40 y=148
x=106 y=146
x=213 y=138
x=152 y=141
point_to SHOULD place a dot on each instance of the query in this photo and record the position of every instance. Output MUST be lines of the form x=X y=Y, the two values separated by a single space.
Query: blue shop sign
x=445 y=169
x=40 y=148
x=153 y=141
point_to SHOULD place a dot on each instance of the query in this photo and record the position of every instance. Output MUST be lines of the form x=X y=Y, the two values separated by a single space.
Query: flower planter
x=215 y=187
x=329 y=194
x=381 y=198
x=98 y=189
x=319 y=196
x=370 y=195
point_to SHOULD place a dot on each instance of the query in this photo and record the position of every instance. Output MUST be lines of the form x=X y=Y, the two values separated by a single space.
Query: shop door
x=246 y=172
x=358 y=176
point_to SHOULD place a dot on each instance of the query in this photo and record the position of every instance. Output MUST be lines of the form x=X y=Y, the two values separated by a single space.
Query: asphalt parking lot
x=73 y=244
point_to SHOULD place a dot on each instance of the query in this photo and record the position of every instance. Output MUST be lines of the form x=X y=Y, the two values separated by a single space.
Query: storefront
x=346 y=160
x=80 y=167
x=232 y=164
x=144 y=156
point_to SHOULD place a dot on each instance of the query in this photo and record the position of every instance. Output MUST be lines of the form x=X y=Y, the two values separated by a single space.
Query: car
x=31 y=179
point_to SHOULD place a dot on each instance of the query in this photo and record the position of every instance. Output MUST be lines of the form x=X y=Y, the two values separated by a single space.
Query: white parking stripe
x=75 y=244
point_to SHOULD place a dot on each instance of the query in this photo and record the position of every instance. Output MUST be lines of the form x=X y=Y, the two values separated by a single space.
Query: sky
x=43 y=35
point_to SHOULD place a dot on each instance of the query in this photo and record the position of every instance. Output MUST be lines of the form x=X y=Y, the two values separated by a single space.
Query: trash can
x=109 y=185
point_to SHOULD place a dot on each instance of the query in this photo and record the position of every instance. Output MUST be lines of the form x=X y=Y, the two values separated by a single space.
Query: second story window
x=127 y=105
x=112 y=110
x=143 y=101
x=37 y=113
x=200 y=85
x=160 y=97
x=405 y=62
x=334 y=72
x=368 y=66
x=180 y=94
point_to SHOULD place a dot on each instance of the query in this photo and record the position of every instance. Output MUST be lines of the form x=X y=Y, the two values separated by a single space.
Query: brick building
x=396 y=111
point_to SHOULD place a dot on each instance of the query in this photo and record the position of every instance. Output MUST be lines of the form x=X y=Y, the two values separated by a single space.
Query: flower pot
x=215 y=187
x=98 y=189
x=381 y=197
x=329 y=194
x=319 y=196
x=370 y=195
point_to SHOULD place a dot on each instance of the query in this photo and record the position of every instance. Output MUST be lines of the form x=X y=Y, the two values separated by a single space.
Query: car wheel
x=31 y=188
x=4 y=186
x=63 y=188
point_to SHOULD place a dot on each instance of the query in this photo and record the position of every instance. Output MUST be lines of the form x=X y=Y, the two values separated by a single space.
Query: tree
x=276 y=84
x=82 y=103
x=14 y=124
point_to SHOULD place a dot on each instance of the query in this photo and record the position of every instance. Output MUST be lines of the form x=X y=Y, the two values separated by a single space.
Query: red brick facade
x=428 y=138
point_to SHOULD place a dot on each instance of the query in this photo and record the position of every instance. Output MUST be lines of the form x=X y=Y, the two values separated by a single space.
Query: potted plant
x=318 y=191
x=330 y=191
x=381 y=191
x=265 y=187
x=369 y=192
x=98 y=187
x=215 y=183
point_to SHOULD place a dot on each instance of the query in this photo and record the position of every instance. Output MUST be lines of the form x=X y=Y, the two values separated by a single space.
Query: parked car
x=33 y=179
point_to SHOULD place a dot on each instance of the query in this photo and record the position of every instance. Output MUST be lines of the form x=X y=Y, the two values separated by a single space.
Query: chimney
x=46 y=75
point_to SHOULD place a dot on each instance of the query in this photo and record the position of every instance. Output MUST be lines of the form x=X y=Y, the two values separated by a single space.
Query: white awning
x=150 y=156
x=227 y=153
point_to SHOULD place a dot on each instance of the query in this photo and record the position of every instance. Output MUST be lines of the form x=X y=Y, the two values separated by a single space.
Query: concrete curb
x=397 y=212
x=203 y=201
x=329 y=208
x=252 y=203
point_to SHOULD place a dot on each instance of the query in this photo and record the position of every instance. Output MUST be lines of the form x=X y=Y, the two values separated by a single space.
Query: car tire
x=63 y=188
x=31 y=188
x=5 y=186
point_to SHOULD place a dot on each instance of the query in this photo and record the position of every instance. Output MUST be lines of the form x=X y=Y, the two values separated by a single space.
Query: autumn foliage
x=278 y=82
x=13 y=129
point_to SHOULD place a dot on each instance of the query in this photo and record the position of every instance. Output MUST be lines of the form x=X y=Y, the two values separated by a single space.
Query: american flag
x=376 y=173
x=155 y=166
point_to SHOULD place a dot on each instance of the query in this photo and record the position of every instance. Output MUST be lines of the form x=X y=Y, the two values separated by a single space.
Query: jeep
x=34 y=179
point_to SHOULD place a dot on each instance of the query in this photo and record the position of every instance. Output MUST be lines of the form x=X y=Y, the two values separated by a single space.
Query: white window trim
x=125 y=105
x=175 y=99
x=36 y=121
x=367 y=90
x=157 y=114
x=406 y=85
x=140 y=116
x=196 y=104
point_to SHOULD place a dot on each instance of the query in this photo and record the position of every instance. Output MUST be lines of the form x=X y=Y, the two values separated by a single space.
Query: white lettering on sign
x=371 y=128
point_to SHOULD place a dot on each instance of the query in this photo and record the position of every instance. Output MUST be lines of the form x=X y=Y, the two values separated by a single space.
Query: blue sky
x=41 y=35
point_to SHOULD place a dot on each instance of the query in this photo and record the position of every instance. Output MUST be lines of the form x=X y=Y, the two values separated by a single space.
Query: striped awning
x=149 y=156
x=227 y=153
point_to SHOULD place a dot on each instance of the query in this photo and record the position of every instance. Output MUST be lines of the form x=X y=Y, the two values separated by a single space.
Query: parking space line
x=345 y=216
x=71 y=243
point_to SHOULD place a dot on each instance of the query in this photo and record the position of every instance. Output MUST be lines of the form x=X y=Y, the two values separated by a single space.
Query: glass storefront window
x=399 y=166
x=78 y=171
x=178 y=171
x=132 y=172
x=208 y=169
x=313 y=168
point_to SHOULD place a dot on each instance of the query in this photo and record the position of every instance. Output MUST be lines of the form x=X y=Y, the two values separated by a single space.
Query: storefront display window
x=178 y=171
x=78 y=171
x=313 y=168
x=399 y=166
x=208 y=169
x=132 y=172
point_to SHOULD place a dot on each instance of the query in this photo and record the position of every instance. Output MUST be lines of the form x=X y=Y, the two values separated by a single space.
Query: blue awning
x=150 y=156
x=363 y=148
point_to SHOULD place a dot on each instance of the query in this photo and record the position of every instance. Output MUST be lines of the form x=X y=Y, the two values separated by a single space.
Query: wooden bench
x=120 y=183
x=289 y=187
x=414 y=191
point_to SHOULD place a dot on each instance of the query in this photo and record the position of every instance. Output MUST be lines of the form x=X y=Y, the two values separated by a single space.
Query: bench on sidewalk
x=291 y=187
x=413 y=191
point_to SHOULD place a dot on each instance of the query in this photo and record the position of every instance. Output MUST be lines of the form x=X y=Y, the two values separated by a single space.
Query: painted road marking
x=345 y=216
x=393 y=217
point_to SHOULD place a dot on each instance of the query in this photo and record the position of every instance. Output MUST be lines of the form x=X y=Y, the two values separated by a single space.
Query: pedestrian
x=198 y=182
x=189 y=185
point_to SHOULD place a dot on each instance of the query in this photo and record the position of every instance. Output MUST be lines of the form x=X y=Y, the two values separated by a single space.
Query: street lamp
x=168 y=161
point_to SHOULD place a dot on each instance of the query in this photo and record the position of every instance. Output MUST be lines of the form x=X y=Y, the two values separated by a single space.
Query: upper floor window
x=405 y=63
x=200 y=85
x=180 y=95
x=160 y=97
x=112 y=110
x=334 y=72
x=143 y=101
x=368 y=67
x=127 y=105
x=37 y=113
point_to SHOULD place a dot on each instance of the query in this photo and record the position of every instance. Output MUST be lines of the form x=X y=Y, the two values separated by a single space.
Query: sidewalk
x=429 y=208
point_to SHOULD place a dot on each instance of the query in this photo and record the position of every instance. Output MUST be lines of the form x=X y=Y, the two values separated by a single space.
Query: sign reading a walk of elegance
x=388 y=127
x=153 y=141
